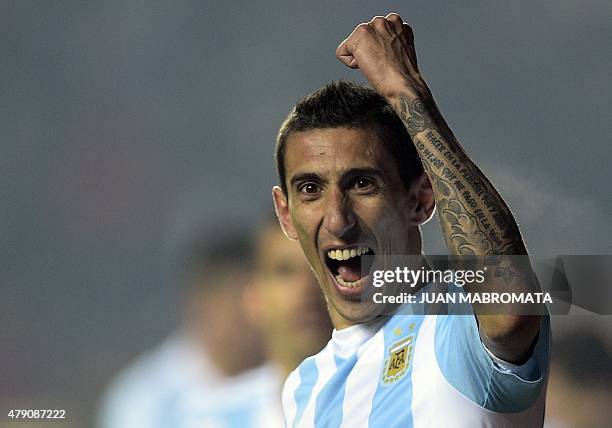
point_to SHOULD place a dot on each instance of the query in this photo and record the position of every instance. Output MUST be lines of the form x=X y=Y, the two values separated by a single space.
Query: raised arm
x=475 y=219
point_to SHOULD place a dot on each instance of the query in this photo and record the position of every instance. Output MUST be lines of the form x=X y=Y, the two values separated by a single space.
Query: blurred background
x=129 y=127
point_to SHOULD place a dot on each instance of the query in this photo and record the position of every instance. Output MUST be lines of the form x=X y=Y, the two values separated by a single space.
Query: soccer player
x=352 y=184
x=242 y=297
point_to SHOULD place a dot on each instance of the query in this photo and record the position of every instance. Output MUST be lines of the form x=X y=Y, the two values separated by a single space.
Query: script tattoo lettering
x=475 y=219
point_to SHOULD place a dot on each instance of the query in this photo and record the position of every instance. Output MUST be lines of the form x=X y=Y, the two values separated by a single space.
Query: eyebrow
x=346 y=175
x=362 y=171
x=306 y=176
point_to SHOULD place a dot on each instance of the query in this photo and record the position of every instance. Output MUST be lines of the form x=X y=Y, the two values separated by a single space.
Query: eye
x=364 y=185
x=309 y=188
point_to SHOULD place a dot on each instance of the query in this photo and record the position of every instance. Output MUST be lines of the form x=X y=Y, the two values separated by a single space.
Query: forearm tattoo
x=475 y=219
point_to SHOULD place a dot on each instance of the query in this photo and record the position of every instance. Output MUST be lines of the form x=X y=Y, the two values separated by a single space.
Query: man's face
x=345 y=198
x=290 y=308
x=212 y=317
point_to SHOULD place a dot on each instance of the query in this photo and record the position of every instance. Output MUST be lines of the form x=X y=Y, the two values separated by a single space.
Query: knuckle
x=394 y=17
x=361 y=28
x=378 y=21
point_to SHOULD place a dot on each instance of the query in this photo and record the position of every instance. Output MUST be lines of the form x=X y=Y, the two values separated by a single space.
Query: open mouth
x=349 y=266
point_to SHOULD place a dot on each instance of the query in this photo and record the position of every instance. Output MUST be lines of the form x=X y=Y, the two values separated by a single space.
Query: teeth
x=347 y=284
x=348 y=253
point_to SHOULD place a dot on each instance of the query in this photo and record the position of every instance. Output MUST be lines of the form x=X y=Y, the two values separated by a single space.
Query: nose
x=340 y=221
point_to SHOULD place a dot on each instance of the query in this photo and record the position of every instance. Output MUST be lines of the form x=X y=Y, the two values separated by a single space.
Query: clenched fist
x=383 y=49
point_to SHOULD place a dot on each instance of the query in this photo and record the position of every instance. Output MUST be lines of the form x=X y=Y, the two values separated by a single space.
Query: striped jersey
x=176 y=385
x=415 y=370
x=248 y=400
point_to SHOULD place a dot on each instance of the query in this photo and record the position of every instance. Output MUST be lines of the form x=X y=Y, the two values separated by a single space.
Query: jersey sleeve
x=476 y=373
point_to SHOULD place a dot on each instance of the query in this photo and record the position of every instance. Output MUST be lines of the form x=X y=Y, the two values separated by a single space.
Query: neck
x=340 y=322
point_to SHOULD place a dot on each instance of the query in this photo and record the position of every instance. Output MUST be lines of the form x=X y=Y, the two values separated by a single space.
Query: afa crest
x=398 y=361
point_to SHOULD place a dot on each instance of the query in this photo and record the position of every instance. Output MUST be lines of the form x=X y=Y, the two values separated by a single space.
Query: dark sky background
x=127 y=126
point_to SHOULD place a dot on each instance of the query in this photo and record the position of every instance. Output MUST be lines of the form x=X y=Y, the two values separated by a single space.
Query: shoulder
x=137 y=389
x=306 y=370
x=132 y=392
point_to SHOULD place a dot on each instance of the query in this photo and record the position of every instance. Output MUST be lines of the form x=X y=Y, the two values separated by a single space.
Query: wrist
x=409 y=89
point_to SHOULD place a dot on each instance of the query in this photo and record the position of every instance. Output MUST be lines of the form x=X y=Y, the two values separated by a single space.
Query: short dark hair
x=216 y=255
x=345 y=104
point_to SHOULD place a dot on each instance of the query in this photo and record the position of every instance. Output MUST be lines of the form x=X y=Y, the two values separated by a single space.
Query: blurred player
x=352 y=184
x=285 y=305
x=214 y=345
x=286 y=301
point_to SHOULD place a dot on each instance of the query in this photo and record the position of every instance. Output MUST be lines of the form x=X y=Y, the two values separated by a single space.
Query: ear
x=281 y=206
x=426 y=202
